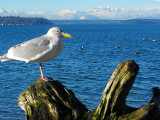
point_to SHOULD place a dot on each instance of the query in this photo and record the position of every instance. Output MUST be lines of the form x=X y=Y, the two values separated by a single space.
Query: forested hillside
x=23 y=21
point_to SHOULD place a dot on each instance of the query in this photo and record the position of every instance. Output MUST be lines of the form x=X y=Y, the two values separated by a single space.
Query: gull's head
x=57 y=32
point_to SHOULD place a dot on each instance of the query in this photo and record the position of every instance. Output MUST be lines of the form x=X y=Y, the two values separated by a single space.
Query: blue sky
x=56 y=5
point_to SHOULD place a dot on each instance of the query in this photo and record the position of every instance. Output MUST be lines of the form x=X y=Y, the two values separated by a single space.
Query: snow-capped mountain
x=98 y=13
x=115 y=13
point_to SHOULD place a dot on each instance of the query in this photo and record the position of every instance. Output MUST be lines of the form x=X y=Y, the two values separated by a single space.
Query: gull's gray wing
x=30 y=49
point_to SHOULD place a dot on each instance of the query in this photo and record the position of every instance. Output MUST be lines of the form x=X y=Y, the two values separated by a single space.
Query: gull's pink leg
x=42 y=76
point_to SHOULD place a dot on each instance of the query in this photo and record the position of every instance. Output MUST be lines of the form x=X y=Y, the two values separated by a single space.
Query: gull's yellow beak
x=66 y=35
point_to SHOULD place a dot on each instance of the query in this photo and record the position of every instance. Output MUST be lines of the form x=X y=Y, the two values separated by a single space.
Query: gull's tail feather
x=4 y=58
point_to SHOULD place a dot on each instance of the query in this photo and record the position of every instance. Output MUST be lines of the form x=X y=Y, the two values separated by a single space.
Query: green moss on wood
x=50 y=100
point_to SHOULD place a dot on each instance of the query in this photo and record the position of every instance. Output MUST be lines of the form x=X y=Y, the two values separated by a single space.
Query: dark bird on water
x=81 y=48
x=137 y=52
x=117 y=46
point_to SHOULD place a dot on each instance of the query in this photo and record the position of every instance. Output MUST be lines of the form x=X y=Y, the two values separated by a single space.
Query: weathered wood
x=114 y=96
x=52 y=101
x=112 y=105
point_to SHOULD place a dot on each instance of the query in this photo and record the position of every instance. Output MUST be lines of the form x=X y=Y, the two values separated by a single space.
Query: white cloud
x=1 y=10
x=35 y=13
x=66 y=13
x=63 y=14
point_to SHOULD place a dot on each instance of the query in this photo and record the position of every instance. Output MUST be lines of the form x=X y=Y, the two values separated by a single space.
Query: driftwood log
x=52 y=101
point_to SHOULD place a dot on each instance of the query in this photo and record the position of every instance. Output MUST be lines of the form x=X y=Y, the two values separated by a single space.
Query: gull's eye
x=58 y=31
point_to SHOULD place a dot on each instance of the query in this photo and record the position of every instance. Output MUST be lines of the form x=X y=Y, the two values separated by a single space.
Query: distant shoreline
x=132 y=21
x=10 y=20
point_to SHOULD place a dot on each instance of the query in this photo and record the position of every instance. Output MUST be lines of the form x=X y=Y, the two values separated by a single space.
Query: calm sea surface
x=84 y=72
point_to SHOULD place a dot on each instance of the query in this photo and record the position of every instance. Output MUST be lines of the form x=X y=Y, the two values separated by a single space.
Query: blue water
x=84 y=72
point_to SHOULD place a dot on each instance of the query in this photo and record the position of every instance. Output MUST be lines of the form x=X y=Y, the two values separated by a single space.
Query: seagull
x=38 y=50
